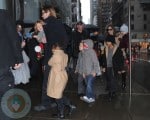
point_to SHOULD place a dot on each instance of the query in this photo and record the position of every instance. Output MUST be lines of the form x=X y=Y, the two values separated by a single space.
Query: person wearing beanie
x=124 y=28
x=89 y=68
x=124 y=45
x=112 y=63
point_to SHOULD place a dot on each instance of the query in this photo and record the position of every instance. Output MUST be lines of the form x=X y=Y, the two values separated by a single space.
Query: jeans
x=81 y=84
x=89 y=79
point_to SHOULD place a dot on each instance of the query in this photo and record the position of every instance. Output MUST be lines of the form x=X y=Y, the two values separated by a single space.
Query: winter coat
x=88 y=62
x=55 y=32
x=124 y=43
x=58 y=76
x=117 y=59
x=10 y=49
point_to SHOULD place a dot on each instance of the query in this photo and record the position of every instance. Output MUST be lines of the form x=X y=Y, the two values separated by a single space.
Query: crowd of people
x=44 y=49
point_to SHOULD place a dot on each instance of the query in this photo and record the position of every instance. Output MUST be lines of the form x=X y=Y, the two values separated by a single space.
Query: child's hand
x=17 y=66
x=35 y=36
x=94 y=74
x=83 y=75
x=103 y=69
x=23 y=44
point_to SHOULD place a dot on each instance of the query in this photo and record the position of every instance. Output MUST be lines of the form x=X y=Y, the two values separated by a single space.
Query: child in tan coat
x=58 y=79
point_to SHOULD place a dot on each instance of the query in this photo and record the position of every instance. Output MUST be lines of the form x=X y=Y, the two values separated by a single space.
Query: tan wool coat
x=58 y=76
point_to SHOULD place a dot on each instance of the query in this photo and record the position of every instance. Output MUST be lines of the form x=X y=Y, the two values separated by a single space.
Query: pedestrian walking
x=57 y=79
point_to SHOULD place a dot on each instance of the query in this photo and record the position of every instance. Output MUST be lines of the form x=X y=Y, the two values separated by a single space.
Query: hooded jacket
x=88 y=60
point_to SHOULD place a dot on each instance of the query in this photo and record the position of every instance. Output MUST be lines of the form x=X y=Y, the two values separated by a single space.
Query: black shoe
x=71 y=109
x=61 y=116
x=40 y=108
x=123 y=86
x=110 y=96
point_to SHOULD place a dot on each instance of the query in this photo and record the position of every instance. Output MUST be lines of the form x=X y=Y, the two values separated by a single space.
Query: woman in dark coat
x=55 y=33
x=112 y=62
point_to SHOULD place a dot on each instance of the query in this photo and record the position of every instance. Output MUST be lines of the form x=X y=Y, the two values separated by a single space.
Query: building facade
x=94 y=12
x=140 y=18
x=104 y=14
x=28 y=11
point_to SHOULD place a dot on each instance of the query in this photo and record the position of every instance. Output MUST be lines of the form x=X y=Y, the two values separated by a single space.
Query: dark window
x=132 y=17
x=132 y=26
x=132 y=8
x=145 y=26
x=145 y=17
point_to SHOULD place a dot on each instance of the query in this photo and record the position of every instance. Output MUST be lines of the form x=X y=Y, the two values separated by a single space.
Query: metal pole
x=14 y=9
x=130 y=65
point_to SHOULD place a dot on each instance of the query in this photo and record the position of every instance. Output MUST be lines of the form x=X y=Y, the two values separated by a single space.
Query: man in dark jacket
x=78 y=35
x=55 y=32
x=10 y=52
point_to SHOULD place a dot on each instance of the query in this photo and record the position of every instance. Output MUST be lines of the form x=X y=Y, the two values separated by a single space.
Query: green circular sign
x=16 y=103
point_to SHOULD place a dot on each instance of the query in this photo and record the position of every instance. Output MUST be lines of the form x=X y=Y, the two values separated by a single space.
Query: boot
x=71 y=109
x=61 y=115
x=110 y=96
x=60 y=107
x=123 y=81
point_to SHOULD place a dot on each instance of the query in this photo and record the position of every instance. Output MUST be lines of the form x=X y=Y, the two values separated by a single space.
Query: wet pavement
x=124 y=106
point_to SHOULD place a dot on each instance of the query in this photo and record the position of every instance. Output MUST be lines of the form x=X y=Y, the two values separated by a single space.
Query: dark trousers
x=46 y=101
x=6 y=83
x=110 y=79
x=61 y=103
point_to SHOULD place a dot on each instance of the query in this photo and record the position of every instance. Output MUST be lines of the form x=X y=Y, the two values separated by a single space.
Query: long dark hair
x=106 y=29
x=57 y=44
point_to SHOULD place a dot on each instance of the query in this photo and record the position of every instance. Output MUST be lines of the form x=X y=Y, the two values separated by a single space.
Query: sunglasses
x=109 y=29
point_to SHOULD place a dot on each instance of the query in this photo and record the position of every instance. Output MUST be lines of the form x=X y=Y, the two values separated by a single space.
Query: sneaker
x=88 y=100
x=85 y=99
x=91 y=100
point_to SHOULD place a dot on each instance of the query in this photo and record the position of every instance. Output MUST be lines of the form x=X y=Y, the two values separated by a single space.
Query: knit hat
x=110 y=38
x=124 y=28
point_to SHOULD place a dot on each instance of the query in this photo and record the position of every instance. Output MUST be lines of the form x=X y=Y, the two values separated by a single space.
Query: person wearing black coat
x=78 y=35
x=10 y=52
x=55 y=33
x=112 y=62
